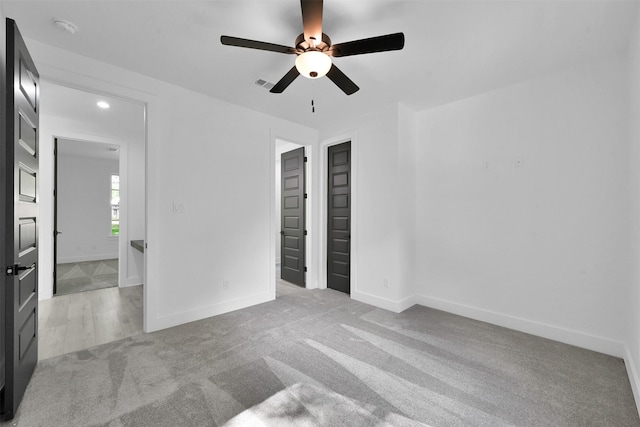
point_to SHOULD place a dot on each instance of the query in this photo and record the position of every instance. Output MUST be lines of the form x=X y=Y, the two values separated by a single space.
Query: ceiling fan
x=314 y=50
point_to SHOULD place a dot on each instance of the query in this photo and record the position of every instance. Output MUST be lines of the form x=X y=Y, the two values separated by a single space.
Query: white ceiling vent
x=265 y=84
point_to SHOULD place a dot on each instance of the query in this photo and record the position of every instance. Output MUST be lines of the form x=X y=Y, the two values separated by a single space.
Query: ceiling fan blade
x=342 y=81
x=370 y=45
x=285 y=81
x=254 y=44
x=312 y=19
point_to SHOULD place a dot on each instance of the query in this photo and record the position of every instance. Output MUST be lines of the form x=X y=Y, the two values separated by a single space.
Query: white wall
x=632 y=357
x=383 y=198
x=222 y=177
x=523 y=207
x=407 y=140
x=213 y=159
x=84 y=208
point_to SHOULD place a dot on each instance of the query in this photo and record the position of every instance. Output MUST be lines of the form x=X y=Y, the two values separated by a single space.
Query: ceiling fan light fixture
x=313 y=64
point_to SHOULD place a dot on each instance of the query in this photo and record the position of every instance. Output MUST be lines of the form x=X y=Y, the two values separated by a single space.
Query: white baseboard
x=567 y=336
x=634 y=378
x=311 y=284
x=180 y=318
x=384 y=303
x=131 y=281
x=84 y=258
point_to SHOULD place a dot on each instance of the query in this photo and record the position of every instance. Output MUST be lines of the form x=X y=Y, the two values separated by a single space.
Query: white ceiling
x=453 y=50
x=122 y=121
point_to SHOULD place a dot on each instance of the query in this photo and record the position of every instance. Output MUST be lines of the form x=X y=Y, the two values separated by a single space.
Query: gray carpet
x=86 y=276
x=314 y=357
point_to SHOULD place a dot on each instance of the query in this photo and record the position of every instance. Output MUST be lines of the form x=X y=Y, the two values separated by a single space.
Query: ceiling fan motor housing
x=303 y=45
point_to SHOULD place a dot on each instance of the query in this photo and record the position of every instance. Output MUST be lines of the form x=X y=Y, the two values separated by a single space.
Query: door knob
x=13 y=270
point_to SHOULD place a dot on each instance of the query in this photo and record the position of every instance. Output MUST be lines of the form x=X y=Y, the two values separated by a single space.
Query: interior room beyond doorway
x=87 y=216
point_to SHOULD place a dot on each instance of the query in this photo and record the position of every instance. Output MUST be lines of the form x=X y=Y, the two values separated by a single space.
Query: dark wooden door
x=339 y=218
x=292 y=212
x=20 y=159
x=55 y=216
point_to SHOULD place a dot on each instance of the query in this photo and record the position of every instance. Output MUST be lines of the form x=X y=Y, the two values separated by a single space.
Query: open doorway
x=100 y=209
x=86 y=216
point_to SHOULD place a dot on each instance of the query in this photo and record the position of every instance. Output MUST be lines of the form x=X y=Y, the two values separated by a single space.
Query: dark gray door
x=339 y=218
x=55 y=216
x=292 y=240
x=20 y=163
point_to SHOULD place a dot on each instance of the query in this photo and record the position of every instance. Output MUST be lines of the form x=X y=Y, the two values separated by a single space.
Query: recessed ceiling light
x=65 y=26
x=103 y=104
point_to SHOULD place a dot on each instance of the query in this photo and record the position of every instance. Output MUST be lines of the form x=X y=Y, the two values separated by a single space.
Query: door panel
x=27 y=135
x=20 y=166
x=339 y=218
x=55 y=216
x=28 y=284
x=292 y=242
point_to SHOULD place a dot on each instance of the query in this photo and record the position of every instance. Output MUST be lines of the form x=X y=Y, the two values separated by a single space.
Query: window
x=115 y=205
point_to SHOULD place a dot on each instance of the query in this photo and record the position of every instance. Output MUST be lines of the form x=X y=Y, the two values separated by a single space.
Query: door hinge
x=305 y=159
x=305 y=195
x=305 y=232
x=305 y=269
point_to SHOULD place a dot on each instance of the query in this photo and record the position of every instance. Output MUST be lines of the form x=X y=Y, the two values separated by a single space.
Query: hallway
x=78 y=321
